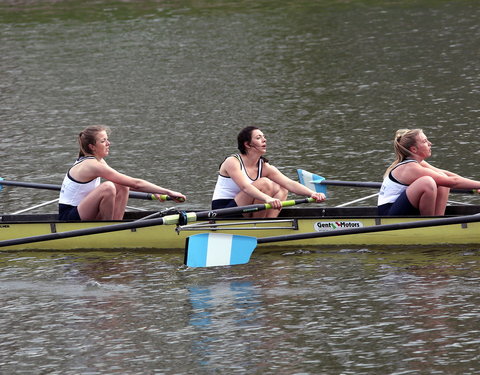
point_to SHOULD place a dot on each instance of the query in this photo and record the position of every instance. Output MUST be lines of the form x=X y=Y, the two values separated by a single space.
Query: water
x=333 y=311
x=328 y=82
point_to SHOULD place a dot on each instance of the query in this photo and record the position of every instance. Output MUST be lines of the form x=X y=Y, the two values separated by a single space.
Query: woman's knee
x=423 y=187
x=121 y=189
x=265 y=184
x=271 y=188
x=108 y=188
x=282 y=193
x=425 y=183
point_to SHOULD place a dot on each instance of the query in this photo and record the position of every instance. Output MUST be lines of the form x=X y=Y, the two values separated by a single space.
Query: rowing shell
x=291 y=221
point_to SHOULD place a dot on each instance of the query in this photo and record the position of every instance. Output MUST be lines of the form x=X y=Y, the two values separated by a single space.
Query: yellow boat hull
x=166 y=237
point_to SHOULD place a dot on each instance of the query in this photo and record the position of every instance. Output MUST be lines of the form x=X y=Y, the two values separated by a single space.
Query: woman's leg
x=442 y=198
x=101 y=203
x=279 y=193
x=121 y=199
x=268 y=187
x=422 y=194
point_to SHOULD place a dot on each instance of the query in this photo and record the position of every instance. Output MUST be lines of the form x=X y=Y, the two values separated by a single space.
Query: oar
x=219 y=249
x=181 y=218
x=133 y=194
x=319 y=183
x=358 y=200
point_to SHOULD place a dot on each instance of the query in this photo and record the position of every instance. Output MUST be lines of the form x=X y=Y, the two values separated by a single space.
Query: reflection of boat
x=293 y=220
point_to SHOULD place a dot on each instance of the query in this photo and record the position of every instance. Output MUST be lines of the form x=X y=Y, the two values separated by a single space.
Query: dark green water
x=328 y=82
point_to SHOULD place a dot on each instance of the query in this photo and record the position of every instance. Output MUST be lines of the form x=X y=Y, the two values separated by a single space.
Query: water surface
x=328 y=82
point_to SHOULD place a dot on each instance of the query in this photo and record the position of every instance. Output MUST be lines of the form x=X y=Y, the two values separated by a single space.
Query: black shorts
x=401 y=207
x=67 y=212
x=223 y=203
x=218 y=204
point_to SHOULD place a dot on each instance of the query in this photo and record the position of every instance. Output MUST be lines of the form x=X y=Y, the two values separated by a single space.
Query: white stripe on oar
x=219 y=250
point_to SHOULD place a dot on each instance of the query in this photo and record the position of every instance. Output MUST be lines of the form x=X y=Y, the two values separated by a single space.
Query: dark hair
x=245 y=135
x=88 y=136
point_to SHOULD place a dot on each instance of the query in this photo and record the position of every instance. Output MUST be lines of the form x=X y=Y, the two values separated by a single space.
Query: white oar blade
x=312 y=181
x=218 y=249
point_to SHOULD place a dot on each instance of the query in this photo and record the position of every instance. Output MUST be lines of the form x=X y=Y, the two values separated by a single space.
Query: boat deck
x=286 y=213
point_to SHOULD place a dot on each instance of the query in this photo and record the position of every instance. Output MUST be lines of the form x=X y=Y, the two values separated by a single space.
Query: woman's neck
x=250 y=158
x=92 y=156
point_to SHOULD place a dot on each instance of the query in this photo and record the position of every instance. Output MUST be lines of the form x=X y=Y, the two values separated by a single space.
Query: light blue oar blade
x=312 y=181
x=1 y=186
x=218 y=249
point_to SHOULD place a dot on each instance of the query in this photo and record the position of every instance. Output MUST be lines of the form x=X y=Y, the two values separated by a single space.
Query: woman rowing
x=84 y=197
x=411 y=186
x=248 y=178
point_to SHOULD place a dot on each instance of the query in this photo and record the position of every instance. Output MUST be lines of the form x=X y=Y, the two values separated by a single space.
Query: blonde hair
x=404 y=139
x=88 y=136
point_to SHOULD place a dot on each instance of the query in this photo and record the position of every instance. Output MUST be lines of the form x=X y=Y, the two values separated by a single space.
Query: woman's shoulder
x=232 y=160
x=91 y=163
x=407 y=163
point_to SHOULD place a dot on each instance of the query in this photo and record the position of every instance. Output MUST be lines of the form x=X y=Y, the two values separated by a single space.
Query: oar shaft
x=166 y=220
x=248 y=209
x=374 y=228
x=84 y=232
x=133 y=194
x=30 y=185
x=377 y=185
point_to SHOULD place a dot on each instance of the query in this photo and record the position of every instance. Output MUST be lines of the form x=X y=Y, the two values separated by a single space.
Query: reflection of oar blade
x=166 y=220
x=241 y=247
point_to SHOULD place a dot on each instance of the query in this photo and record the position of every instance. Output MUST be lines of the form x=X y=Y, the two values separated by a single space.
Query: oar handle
x=292 y=202
x=165 y=197
x=132 y=194
x=152 y=197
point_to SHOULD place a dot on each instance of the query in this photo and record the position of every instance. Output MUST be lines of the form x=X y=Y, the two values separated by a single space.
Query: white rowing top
x=391 y=188
x=72 y=191
x=226 y=188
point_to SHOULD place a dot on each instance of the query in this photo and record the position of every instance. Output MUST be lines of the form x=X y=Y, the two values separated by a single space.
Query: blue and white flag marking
x=218 y=249
x=312 y=181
